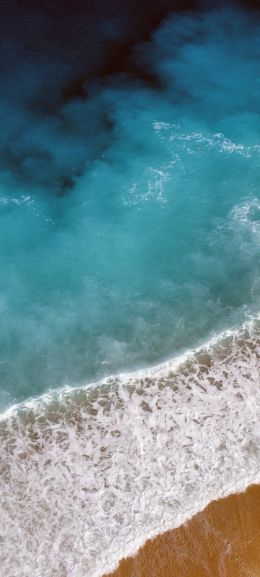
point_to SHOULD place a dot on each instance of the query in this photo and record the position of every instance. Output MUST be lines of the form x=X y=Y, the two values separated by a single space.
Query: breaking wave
x=89 y=474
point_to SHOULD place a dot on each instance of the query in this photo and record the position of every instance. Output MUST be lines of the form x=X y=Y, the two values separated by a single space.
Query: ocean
x=129 y=290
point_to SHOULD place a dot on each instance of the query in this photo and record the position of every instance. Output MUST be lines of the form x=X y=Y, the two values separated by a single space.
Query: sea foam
x=88 y=475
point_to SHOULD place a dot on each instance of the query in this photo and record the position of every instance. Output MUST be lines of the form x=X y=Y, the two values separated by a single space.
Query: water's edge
x=223 y=539
x=97 y=471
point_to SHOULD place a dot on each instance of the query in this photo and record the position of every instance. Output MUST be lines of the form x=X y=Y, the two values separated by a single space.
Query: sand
x=221 y=541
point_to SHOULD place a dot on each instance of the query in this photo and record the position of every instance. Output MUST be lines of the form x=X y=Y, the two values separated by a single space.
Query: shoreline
x=222 y=540
x=98 y=472
x=134 y=548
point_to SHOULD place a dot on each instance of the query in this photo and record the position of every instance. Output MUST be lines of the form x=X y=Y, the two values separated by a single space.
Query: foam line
x=88 y=477
x=155 y=371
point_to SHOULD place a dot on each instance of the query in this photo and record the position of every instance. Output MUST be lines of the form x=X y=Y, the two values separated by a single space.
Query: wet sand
x=221 y=541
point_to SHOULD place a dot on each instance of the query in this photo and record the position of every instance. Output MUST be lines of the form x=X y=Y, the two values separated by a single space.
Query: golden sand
x=221 y=541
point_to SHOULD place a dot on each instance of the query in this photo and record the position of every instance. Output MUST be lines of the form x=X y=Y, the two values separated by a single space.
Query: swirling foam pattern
x=88 y=475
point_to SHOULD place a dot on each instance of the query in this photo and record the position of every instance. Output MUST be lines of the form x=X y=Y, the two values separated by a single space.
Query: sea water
x=152 y=249
x=155 y=246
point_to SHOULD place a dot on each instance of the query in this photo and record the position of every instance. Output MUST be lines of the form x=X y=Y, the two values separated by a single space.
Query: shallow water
x=95 y=472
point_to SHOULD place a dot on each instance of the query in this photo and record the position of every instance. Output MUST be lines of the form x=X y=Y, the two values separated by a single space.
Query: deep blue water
x=130 y=216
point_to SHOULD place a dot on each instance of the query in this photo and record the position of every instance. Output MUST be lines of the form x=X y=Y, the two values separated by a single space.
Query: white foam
x=247 y=214
x=158 y=370
x=88 y=478
x=23 y=199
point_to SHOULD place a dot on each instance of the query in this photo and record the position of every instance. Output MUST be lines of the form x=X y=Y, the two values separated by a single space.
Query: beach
x=221 y=541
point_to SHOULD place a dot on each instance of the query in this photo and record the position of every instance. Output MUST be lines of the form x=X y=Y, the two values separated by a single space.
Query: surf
x=98 y=471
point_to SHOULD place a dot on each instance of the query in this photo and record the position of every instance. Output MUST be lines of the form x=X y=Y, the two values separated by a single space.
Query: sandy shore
x=221 y=541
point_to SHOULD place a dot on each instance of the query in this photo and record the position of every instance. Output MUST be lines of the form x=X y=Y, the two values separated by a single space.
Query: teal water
x=155 y=246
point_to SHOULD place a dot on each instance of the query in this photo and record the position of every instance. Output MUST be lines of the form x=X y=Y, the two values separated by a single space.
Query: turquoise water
x=154 y=246
x=129 y=234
